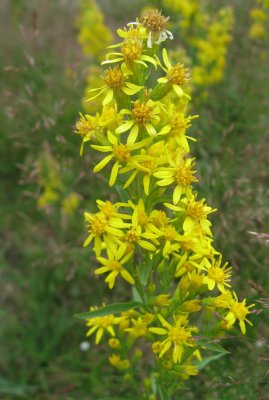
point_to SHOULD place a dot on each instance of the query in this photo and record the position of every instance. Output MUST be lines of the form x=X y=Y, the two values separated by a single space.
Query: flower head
x=179 y=336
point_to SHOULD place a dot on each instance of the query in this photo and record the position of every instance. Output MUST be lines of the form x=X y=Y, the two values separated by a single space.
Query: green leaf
x=163 y=393
x=123 y=195
x=110 y=309
x=143 y=271
x=136 y=295
x=202 y=364
x=213 y=347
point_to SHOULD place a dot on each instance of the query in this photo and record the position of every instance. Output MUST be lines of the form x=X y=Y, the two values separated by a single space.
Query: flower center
x=187 y=244
x=178 y=75
x=217 y=274
x=114 y=78
x=188 y=266
x=115 y=265
x=149 y=164
x=84 y=126
x=195 y=210
x=103 y=321
x=98 y=224
x=170 y=233
x=184 y=175
x=160 y=219
x=141 y=113
x=131 y=50
x=142 y=218
x=178 y=123
x=154 y=21
x=240 y=311
x=132 y=236
x=178 y=335
x=121 y=152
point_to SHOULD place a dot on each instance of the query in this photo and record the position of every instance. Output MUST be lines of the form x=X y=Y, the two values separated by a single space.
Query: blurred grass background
x=46 y=275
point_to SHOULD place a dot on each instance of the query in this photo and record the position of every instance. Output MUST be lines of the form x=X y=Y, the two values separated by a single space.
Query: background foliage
x=46 y=276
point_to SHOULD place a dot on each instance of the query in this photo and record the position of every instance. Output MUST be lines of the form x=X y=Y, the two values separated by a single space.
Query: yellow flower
x=115 y=266
x=185 y=266
x=135 y=236
x=101 y=229
x=195 y=212
x=162 y=300
x=115 y=85
x=192 y=306
x=120 y=152
x=100 y=325
x=179 y=336
x=179 y=173
x=151 y=158
x=116 y=361
x=93 y=41
x=238 y=311
x=175 y=78
x=177 y=125
x=218 y=276
x=191 y=283
x=132 y=53
x=143 y=220
x=142 y=116
x=49 y=196
x=155 y=23
x=70 y=203
x=224 y=300
x=139 y=327
x=114 y=343
x=88 y=127
x=171 y=239
x=110 y=210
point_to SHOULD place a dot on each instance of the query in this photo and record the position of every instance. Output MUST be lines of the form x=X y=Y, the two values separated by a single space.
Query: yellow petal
x=128 y=277
x=108 y=98
x=114 y=174
x=103 y=163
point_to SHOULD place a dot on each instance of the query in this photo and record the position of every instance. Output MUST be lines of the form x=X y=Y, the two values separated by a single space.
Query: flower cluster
x=156 y=239
x=53 y=188
x=92 y=41
x=259 y=20
x=208 y=37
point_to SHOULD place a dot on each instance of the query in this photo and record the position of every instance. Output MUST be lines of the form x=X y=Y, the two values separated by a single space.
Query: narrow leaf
x=122 y=194
x=110 y=309
x=213 y=347
x=202 y=364
x=143 y=272
x=163 y=393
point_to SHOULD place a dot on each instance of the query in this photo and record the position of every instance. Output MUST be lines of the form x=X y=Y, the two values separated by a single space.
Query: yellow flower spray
x=259 y=16
x=93 y=36
x=206 y=35
x=156 y=239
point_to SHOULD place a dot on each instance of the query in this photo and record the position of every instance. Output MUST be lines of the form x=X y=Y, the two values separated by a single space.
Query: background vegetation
x=46 y=276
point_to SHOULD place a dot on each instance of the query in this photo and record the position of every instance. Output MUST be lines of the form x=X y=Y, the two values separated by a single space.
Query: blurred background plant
x=46 y=275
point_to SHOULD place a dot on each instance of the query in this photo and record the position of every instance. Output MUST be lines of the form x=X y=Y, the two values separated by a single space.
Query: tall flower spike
x=157 y=237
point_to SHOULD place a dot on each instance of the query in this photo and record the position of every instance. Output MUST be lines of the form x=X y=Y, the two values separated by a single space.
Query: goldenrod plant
x=54 y=192
x=259 y=20
x=206 y=35
x=153 y=236
x=92 y=41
